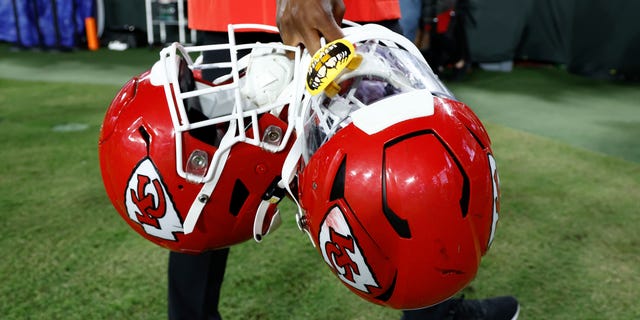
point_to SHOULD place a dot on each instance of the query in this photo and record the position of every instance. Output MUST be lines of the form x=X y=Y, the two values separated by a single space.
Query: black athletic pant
x=194 y=284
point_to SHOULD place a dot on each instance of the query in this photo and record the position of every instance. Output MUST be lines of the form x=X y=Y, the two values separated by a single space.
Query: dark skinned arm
x=304 y=22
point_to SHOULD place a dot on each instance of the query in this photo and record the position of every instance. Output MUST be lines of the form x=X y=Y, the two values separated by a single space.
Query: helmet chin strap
x=269 y=204
x=289 y=169
x=261 y=215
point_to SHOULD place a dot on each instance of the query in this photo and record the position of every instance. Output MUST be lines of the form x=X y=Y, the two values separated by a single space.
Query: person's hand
x=306 y=21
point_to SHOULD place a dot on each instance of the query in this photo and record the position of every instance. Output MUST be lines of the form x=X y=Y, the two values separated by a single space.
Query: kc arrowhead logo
x=342 y=253
x=149 y=204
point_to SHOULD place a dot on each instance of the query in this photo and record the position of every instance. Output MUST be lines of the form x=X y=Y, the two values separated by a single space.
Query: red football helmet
x=193 y=165
x=398 y=184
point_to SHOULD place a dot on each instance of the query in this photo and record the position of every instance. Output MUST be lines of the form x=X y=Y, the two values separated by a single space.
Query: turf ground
x=567 y=245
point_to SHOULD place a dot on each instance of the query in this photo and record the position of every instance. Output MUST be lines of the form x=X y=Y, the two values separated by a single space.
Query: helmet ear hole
x=238 y=197
x=145 y=135
x=337 y=189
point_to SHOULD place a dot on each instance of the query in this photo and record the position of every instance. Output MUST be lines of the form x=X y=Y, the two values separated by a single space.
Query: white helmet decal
x=149 y=204
x=495 y=183
x=342 y=253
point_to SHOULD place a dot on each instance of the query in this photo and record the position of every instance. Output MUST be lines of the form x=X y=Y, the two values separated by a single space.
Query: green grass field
x=567 y=244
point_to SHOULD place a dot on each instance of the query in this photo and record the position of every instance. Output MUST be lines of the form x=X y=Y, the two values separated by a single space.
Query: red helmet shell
x=403 y=216
x=137 y=153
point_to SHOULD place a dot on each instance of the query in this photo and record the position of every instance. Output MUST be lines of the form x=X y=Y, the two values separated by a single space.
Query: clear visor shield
x=385 y=71
x=258 y=79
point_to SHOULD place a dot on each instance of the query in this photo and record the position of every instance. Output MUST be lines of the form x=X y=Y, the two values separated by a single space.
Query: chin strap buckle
x=268 y=208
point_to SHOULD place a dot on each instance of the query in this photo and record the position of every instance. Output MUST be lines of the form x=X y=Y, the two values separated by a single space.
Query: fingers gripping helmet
x=193 y=165
x=399 y=186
